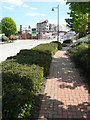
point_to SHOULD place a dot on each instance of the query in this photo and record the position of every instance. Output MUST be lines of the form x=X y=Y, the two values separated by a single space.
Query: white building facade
x=44 y=27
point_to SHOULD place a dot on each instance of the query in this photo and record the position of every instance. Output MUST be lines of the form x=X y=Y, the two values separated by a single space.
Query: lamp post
x=57 y=21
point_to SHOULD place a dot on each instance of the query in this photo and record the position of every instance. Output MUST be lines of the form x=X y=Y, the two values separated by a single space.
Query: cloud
x=60 y=1
x=33 y=8
x=14 y=2
x=9 y=8
x=26 y=6
x=31 y=14
x=35 y=14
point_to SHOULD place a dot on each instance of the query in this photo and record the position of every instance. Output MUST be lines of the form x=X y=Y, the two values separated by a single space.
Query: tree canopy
x=79 y=20
x=0 y=28
x=8 y=26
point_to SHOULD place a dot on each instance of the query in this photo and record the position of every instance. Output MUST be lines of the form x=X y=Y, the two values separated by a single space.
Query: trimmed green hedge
x=22 y=77
x=68 y=41
x=59 y=44
x=20 y=82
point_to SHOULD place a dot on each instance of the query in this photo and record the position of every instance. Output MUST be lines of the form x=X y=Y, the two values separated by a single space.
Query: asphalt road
x=11 y=49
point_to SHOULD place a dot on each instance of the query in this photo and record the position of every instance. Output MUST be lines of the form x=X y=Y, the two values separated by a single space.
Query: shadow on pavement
x=67 y=72
x=52 y=108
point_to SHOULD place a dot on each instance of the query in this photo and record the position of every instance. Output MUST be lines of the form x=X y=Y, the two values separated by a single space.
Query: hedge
x=68 y=41
x=81 y=56
x=22 y=78
x=20 y=82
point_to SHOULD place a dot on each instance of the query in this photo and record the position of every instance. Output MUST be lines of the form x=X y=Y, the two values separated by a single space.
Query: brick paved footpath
x=65 y=95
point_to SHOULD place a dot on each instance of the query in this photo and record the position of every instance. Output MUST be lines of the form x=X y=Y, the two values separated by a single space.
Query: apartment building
x=44 y=26
x=25 y=30
x=52 y=28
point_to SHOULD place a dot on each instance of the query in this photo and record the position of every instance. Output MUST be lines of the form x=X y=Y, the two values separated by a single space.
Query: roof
x=42 y=21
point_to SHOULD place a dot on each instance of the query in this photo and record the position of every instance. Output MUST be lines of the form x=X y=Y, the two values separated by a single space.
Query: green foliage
x=10 y=38
x=0 y=28
x=81 y=55
x=13 y=38
x=82 y=7
x=68 y=41
x=79 y=18
x=22 y=78
x=85 y=39
x=8 y=26
x=20 y=82
x=59 y=44
x=4 y=38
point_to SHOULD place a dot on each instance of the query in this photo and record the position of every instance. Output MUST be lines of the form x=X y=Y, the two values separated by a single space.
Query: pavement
x=11 y=49
x=66 y=95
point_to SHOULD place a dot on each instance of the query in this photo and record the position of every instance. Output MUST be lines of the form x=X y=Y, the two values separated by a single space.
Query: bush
x=10 y=38
x=13 y=38
x=4 y=38
x=85 y=39
x=59 y=44
x=50 y=48
x=68 y=41
x=81 y=55
x=20 y=83
x=22 y=78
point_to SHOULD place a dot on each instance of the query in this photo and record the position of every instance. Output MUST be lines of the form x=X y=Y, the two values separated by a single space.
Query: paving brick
x=65 y=92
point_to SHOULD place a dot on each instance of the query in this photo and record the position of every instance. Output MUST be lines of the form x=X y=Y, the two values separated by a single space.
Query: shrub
x=85 y=39
x=81 y=55
x=59 y=44
x=29 y=57
x=4 y=38
x=20 y=83
x=68 y=41
x=51 y=48
x=13 y=38
x=10 y=38
x=22 y=78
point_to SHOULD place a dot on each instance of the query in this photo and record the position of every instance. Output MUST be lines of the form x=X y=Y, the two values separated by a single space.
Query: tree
x=8 y=26
x=79 y=17
x=0 y=28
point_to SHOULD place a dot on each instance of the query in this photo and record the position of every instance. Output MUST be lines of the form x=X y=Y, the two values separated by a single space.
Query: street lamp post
x=57 y=21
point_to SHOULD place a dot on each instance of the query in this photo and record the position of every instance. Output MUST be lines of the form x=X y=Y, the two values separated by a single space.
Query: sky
x=30 y=12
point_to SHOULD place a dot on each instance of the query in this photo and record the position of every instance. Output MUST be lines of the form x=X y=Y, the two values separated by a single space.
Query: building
x=25 y=30
x=43 y=27
x=52 y=28
x=21 y=29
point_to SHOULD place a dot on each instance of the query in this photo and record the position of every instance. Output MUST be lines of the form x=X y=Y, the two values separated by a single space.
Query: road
x=11 y=49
